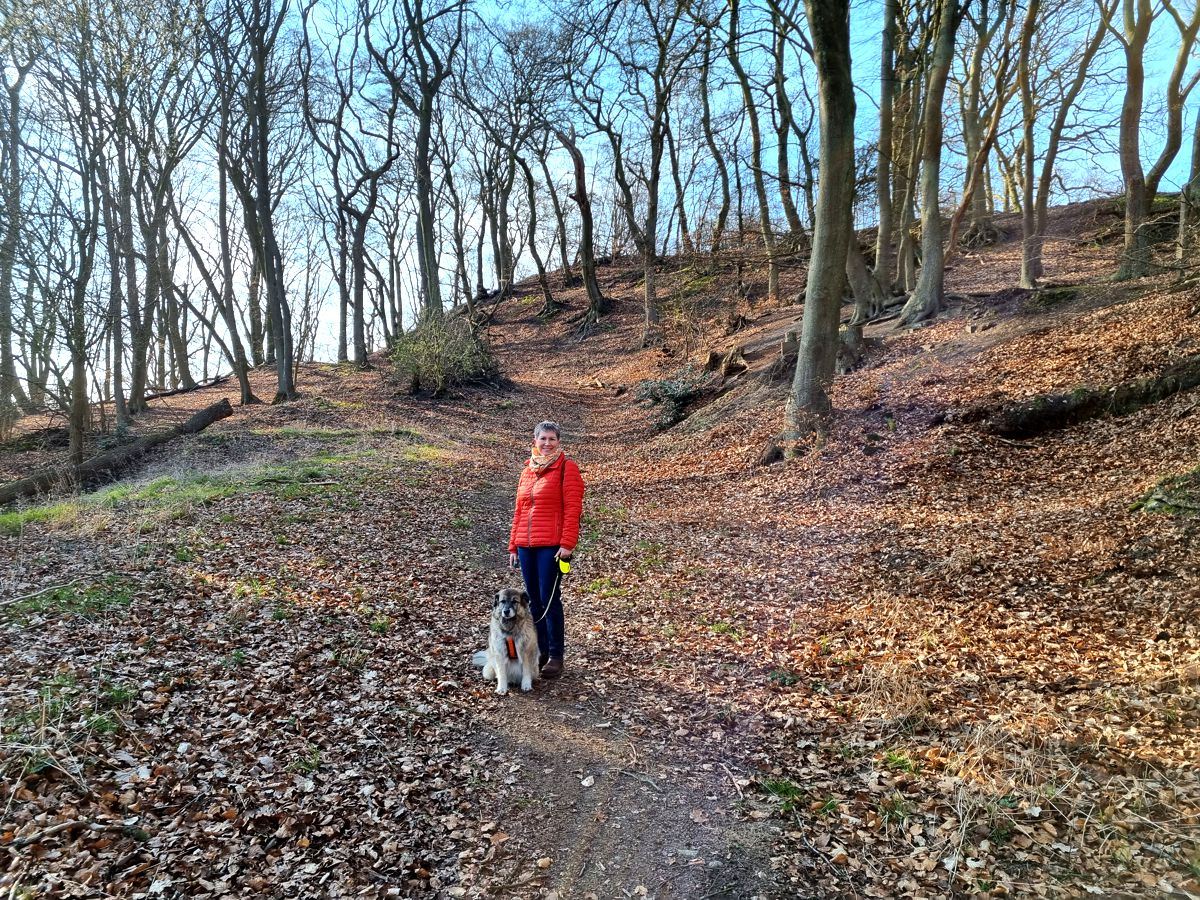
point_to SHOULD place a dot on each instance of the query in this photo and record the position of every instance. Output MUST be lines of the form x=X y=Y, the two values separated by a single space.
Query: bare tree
x=926 y=298
x=355 y=128
x=1141 y=187
x=414 y=47
x=808 y=406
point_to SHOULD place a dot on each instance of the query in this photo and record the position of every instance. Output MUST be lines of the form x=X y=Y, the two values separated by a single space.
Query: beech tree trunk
x=808 y=406
x=926 y=299
x=883 y=168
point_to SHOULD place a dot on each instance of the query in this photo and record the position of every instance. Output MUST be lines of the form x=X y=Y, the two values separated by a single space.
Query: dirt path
x=610 y=806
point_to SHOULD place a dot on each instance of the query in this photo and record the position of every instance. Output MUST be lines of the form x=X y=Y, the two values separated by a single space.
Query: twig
x=723 y=889
x=736 y=786
x=640 y=777
x=46 y=590
x=66 y=826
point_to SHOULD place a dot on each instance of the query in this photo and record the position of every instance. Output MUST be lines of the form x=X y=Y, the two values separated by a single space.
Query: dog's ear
x=496 y=599
x=524 y=598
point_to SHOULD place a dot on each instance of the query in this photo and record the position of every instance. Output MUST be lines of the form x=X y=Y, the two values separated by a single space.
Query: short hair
x=547 y=426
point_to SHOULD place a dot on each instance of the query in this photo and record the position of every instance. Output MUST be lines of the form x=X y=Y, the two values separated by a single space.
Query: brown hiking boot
x=553 y=668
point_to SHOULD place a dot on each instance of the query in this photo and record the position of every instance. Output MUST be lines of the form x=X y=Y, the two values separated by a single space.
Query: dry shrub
x=440 y=352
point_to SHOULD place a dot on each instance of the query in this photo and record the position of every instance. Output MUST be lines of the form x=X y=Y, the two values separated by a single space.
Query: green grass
x=117 y=694
x=895 y=809
x=899 y=761
x=829 y=807
x=653 y=556
x=172 y=495
x=1177 y=495
x=724 y=628
x=606 y=588
x=380 y=624
x=13 y=523
x=234 y=659
x=783 y=677
x=56 y=721
x=68 y=601
x=423 y=453
x=789 y=794
x=307 y=762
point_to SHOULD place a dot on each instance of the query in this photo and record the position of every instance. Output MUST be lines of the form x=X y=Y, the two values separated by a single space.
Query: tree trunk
x=808 y=406
x=926 y=299
x=868 y=298
x=883 y=169
x=718 y=233
x=597 y=305
x=783 y=124
x=549 y=304
x=10 y=388
x=684 y=232
x=760 y=188
x=1031 y=244
x=1189 y=203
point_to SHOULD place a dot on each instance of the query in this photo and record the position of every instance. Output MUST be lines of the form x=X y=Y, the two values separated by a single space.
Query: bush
x=673 y=394
x=442 y=351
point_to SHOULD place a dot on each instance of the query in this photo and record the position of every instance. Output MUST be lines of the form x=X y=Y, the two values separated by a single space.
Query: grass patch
x=48 y=731
x=336 y=435
x=899 y=761
x=1178 y=495
x=789 y=794
x=783 y=677
x=67 y=601
x=894 y=809
x=606 y=588
x=653 y=556
x=170 y=496
x=423 y=453
x=13 y=523
x=307 y=762
x=723 y=628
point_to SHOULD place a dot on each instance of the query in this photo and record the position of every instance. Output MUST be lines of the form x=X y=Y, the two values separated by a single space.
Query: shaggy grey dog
x=512 y=653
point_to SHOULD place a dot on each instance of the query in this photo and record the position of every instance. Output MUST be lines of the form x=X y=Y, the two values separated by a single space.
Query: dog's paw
x=526 y=686
x=501 y=690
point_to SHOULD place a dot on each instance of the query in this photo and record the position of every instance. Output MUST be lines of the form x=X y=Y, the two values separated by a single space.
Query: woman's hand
x=563 y=553
x=512 y=560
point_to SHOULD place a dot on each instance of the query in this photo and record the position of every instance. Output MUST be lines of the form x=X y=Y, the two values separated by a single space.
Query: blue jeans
x=543 y=582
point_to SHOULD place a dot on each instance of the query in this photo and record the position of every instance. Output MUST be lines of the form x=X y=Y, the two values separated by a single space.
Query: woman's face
x=546 y=442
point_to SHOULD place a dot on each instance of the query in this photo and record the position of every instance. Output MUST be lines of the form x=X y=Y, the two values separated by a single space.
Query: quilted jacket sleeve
x=573 y=488
x=512 y=532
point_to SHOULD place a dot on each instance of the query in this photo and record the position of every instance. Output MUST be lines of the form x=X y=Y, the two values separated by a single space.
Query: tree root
x=1049 y=412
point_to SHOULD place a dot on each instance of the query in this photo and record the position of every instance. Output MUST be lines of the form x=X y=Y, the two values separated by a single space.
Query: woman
x=545 y=529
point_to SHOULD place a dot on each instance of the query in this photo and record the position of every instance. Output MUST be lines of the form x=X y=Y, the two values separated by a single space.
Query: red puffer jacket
x=548 y=507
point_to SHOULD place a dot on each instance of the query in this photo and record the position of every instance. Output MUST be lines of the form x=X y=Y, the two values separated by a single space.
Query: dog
x=512 y=652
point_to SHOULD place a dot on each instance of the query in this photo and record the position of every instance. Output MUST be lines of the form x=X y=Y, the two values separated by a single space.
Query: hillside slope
x=919 y=661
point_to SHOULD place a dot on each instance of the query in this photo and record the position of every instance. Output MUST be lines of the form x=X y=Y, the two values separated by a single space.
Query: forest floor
x=919 y=661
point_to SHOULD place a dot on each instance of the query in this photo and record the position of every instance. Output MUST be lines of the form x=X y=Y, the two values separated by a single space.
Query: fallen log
x=1052 y=411
x=115 y=460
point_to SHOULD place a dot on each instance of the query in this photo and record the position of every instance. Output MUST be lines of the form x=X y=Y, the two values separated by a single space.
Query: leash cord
x=550 y=603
